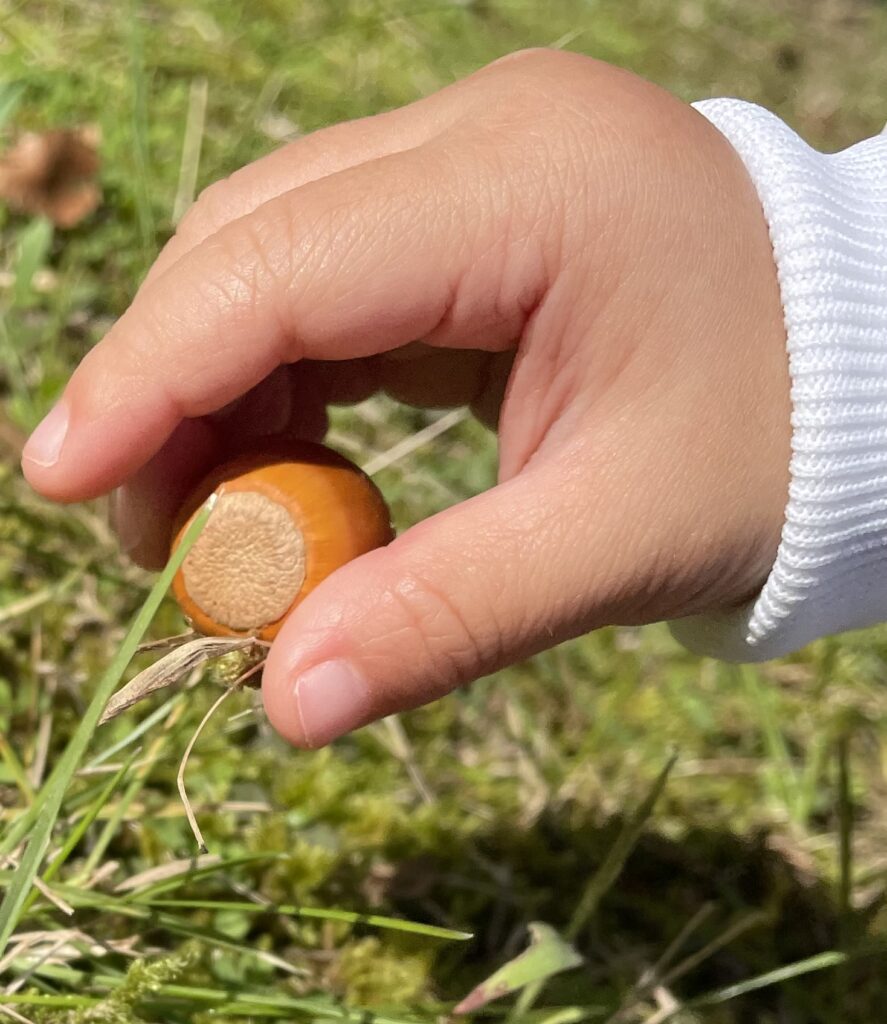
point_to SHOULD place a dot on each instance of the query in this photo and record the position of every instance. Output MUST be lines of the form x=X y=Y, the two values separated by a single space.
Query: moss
x=143 y=981
x=371 y=973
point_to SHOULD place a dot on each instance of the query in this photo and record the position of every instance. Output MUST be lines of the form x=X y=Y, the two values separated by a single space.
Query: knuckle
x=267 y=243
x=207 y=213
x=256 y=255
x=441 y=629
x=247 y=286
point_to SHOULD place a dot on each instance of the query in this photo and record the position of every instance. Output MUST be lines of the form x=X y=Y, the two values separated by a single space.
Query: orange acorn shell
x=285 y=519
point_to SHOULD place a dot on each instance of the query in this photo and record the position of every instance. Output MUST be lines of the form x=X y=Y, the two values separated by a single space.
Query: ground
x=754 y=889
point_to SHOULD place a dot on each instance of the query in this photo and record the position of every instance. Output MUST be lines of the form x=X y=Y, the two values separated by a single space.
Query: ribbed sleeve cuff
x=827 y=216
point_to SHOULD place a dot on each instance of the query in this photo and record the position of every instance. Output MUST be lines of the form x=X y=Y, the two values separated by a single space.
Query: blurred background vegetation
x=505 y=803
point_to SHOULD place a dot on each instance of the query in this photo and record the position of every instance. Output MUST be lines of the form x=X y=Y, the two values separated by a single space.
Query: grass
x=751 y=889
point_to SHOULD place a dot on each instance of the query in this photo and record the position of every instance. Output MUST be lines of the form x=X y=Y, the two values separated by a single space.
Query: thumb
x=479 y=586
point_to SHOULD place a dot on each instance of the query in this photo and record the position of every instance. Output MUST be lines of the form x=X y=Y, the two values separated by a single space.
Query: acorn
x=283 y=521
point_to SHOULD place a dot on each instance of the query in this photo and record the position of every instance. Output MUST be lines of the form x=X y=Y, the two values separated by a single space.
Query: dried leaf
x=170 y=669
x=53 y=174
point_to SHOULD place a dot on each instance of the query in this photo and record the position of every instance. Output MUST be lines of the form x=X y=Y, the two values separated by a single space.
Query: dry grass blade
x=52 y=944
x=194 y=128
x=170 y=669
x=613 y=863
x=668 y=1006
x=650 y=978
x=602 y=880
x=31 y=602
x=168 y=643
x=68 y=944
x=55 y=900
x=180 y=778
x=42 y=888
x=39 y=820
x=415 y=441
x=751 y=920
x=398 y=744
x=15 y=1015
x=23 y=943
x=40 y=754
x=164 y=872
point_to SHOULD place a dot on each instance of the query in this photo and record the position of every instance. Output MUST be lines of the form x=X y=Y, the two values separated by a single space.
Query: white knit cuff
x=828 y=224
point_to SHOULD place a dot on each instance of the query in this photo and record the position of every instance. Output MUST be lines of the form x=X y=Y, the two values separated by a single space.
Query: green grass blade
x=92 y=813
x=16 y=769
x=820 y=962
x=318 y=1008
x=603 y=878
x=11 y=94
x=139 y=121
x=571 y=1015
x=33 y=249
x=346 y=916
x=159 y=915
x=31 y=602
x=810 y=783
x=79 y=831
x=111 y=826
x=845 y=840
x=845 y=862
x=15 y=373
x=136 y=733
x=618 y=853
x=109 y=682
x=42 y=815
x=783 y=773
x=66 y=1002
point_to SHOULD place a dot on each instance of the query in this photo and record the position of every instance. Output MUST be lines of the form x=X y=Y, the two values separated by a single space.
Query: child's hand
x=549 y=208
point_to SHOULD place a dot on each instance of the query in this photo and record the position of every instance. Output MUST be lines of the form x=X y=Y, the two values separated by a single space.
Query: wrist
x=827 y=216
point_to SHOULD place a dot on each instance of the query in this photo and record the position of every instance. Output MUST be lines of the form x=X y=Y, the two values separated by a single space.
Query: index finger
x=359 y=262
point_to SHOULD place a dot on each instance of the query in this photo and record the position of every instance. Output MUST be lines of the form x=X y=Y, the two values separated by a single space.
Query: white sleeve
x=827 y=215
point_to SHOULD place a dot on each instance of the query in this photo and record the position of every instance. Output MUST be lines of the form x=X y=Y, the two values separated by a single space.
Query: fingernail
x=45 y=444
x=331 y=699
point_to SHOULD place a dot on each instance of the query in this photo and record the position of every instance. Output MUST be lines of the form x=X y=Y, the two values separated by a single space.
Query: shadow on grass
x=757 y=908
